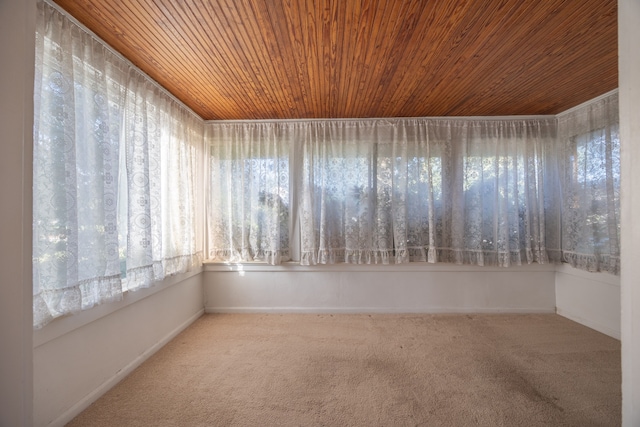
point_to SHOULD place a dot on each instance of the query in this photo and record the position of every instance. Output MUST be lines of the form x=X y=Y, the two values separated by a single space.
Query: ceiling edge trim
x=371 y=119
x=586 y=103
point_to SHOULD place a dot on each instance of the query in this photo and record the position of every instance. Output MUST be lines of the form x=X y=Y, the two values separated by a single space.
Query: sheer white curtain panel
x=467 y=191
x=77 y=141
x=435 y=190
x=249 y=206
x=590 y=165
x=114 y=174
x=162 y=143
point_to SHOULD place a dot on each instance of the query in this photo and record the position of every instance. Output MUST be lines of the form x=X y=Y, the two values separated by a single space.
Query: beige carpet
x=372 y=370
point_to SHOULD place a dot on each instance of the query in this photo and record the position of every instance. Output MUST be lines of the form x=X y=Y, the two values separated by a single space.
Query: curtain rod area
x=382 y=119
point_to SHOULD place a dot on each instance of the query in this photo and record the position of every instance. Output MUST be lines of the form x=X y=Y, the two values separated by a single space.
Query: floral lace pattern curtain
x=114 y=165
x=480 y=192
x=161 y=157
x=467 y=191
x=462 y=191
x=248 y=216
x=590 y=165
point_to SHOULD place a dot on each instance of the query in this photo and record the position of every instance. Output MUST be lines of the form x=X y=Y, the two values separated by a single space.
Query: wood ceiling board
x=274 y=59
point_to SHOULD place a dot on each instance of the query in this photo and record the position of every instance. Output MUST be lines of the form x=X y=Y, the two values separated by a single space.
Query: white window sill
x=602 y=277
x=219 y=267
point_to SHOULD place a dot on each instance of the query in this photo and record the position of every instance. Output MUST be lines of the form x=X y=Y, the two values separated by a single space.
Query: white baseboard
x=590 y=323
x=377 y=310
x=83 y=404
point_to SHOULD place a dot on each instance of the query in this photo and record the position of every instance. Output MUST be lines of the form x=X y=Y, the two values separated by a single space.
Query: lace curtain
x=161 y=140
x=462 y=191
x=384 y=191
x=114 y=168
x=590 y=165
x=248 y=215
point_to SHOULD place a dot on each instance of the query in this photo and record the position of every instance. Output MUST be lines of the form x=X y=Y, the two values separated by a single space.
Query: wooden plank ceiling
x=267 y=59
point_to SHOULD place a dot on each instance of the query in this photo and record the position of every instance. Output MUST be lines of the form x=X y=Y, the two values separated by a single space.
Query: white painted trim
x=221 y=267
x=377 y=310
x=389 y=119
x=600 y=327
x=629 y=81
x=586 y=103
x=17 y=47
x=604 y=278
x=83 y=404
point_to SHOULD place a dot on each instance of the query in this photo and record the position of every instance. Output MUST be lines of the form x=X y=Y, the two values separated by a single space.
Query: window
x=249 y=214
x=114 y=174
x=373 y=201
x=591 y=187
x=346 y=206
x=380 y=191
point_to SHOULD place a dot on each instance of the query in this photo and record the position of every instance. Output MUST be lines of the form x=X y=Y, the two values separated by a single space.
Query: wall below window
x=379 y=288
x=592 y=299
x=78 y=358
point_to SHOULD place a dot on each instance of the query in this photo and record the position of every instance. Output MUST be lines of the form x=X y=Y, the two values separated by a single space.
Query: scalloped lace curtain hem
x=593 y=263
x=432 y=256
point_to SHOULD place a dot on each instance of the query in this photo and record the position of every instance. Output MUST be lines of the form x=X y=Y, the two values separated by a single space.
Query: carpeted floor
x=372 y=370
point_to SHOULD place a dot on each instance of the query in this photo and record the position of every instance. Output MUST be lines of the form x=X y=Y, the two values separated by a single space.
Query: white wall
x=592 y=299
x=629 y=82
x=78 y=358
x=17 y=29
x=378 y=288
